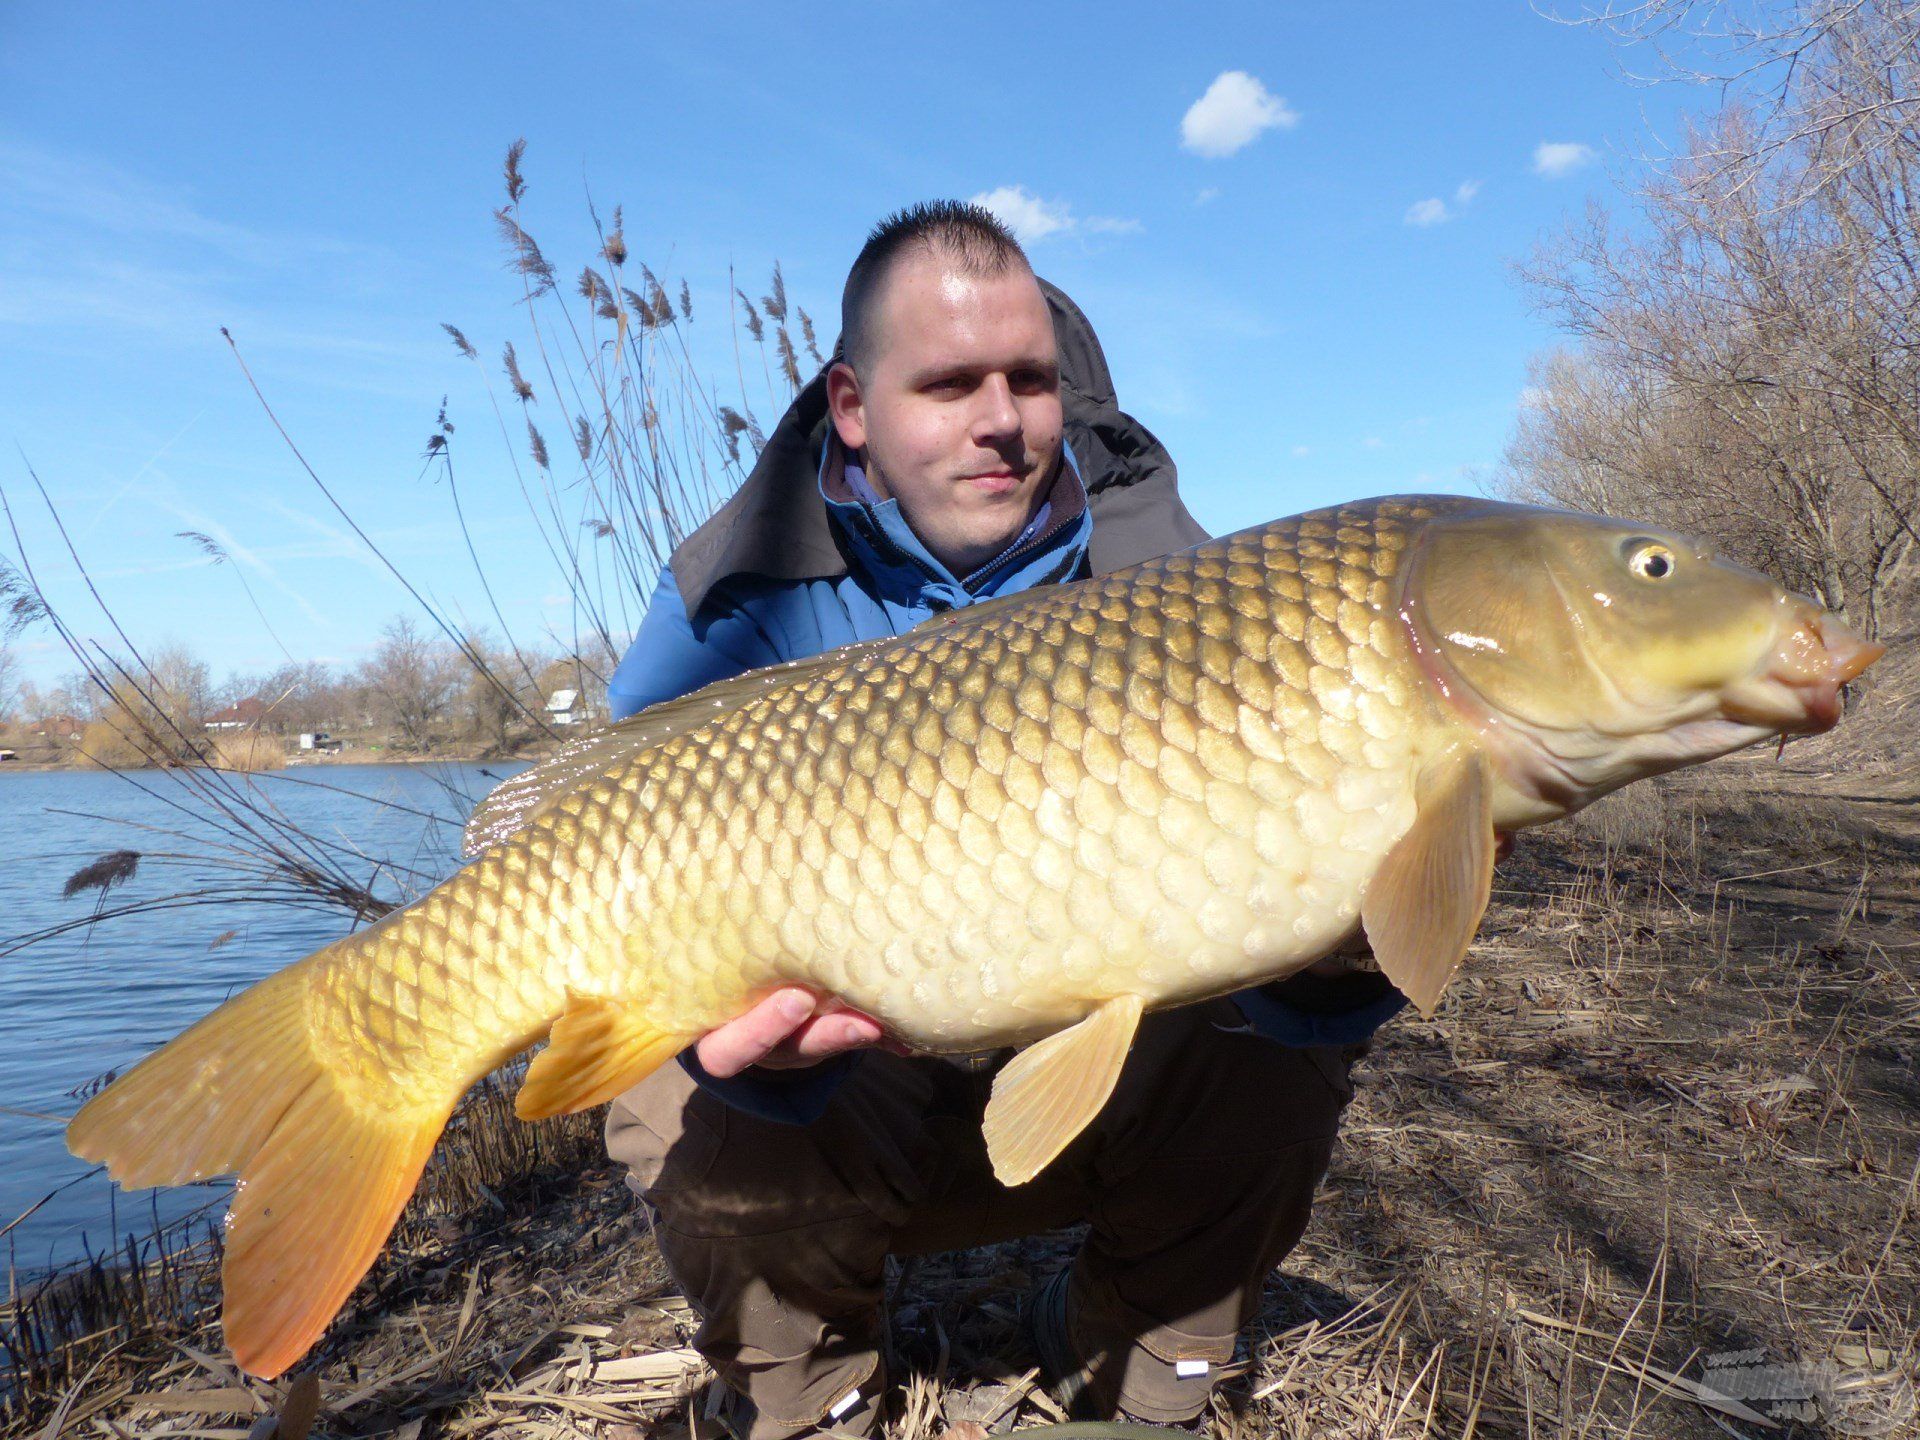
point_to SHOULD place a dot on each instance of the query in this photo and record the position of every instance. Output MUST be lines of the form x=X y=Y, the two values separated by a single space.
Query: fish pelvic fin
x=1424 y=903
x=324 y=1169
x=1050 y=1092
x=599 y=1047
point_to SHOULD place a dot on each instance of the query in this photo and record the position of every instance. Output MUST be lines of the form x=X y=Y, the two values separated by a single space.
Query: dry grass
x=112 y=745
x=1653 y=1172
x=248 y=752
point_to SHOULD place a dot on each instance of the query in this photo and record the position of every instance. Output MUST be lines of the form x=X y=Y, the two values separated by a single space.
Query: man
x=933 y=466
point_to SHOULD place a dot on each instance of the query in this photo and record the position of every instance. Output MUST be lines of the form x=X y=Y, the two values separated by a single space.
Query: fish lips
x=1799 y=690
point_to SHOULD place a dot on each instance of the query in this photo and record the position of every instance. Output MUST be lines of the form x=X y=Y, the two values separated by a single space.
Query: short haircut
x=970 y=236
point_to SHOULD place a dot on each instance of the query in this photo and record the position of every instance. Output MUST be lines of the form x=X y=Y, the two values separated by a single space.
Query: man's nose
x=997 y=416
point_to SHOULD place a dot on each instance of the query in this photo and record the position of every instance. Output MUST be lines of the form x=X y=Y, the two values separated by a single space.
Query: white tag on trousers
x=845 y=1403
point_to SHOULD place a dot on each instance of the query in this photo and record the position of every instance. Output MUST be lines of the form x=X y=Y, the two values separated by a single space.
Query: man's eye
x=948 y=385
x=1032 y=382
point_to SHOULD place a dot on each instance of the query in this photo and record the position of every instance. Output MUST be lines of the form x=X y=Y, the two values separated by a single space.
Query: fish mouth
x=1799 y=689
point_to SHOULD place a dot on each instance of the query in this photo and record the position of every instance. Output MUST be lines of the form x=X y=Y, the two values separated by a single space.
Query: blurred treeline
x=416 y=694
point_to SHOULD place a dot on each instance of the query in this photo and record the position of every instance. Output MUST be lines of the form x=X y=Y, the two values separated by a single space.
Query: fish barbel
x=1029 y=820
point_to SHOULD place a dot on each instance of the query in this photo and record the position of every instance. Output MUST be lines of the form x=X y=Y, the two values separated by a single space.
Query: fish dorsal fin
x=599 y=1047
x=1425 y=901
x=1050 y=1092
x=520 y=799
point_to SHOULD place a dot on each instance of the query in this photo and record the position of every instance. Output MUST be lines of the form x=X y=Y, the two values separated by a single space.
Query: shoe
x=1067 y=1378
x=730 y=1410
x=735 y=1414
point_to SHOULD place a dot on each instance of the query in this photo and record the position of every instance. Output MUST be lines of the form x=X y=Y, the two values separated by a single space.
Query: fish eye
x=1650 y=560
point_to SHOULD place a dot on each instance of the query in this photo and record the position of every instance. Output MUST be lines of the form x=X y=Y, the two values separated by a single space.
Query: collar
x=879 y=538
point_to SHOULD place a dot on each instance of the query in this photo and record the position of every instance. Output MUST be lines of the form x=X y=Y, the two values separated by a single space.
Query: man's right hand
x=790 y=1028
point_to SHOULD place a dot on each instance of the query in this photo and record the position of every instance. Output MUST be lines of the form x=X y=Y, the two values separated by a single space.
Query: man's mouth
x=993 y=482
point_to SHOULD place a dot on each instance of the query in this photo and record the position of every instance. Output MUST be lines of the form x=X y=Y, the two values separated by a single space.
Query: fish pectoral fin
x=598 y=1047
x=1050 y=1092
x=1425 y=901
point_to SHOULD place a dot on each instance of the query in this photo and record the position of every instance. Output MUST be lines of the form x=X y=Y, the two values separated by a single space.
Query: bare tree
x=153 y=712
x=494 y=707
x=411 y=681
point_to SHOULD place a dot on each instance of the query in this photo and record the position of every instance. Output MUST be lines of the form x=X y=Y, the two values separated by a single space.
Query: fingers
x=748 y=1039
x=826 y=1035
x=788 y=1029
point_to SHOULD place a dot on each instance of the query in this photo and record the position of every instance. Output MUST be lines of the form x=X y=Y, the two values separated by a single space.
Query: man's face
x=959 y=412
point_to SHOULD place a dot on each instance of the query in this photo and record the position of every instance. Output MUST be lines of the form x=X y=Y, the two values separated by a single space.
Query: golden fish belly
x=1173 y=783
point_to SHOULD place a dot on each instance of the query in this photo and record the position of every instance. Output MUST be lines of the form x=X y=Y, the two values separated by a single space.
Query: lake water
x=100 y=997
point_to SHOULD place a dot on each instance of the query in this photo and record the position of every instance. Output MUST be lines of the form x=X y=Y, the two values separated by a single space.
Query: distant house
x=60 y=727
x=241 y=716
x=565 y=708
x=318 y=740
x=6 y=755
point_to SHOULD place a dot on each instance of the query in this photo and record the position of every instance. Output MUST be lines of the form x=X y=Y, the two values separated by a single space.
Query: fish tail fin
x=325 y=1163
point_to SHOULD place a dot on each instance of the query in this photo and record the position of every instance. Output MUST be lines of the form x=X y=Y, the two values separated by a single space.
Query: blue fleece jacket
x=893 y=582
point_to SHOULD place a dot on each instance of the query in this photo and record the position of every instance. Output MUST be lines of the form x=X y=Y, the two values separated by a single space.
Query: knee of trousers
x=715 y=1172
x=1222 y=1100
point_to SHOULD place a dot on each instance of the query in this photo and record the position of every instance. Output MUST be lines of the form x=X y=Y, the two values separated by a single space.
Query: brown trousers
x=1197 y=1178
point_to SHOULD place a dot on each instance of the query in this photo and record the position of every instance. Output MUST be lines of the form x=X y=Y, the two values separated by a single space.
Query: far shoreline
x=43 y=767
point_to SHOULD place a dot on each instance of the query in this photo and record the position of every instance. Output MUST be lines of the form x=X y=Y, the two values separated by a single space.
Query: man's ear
x=845 y=405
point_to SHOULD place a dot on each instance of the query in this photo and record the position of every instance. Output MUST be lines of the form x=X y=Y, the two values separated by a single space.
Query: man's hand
x=789 y=1028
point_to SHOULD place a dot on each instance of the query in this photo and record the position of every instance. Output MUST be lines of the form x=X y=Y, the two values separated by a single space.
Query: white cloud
x=1207 y=196
x=1231 y=115
x=1300 y=452
x=1435 y=211
x=1373 y=442
x=1556 y=159
x=1026 y=214
x=1032 y=219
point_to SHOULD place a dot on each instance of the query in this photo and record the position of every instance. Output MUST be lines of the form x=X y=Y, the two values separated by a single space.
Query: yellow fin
x=310 y=1215
x=598 y=1048
x=1425 y=901
x=1050 y=1092
x=323 y=1172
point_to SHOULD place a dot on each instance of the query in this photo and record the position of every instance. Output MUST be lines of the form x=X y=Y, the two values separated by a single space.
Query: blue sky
x=319 y=179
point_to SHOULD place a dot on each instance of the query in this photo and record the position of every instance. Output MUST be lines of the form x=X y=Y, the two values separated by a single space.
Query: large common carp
x=1028 y=820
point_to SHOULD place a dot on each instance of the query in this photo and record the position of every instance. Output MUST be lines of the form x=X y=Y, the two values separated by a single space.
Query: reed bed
x=249 y=752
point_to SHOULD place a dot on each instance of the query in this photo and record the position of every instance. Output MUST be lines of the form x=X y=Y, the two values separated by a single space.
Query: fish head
x=1592 y=652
